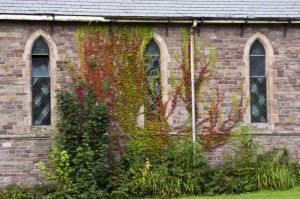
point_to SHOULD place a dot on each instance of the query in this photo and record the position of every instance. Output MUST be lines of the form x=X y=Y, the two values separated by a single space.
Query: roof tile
x=157 y=8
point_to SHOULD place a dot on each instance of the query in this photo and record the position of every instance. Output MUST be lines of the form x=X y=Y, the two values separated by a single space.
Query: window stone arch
x=164 y=75
x=269 y=60
x=53 y=58
x=164 y=62
x=153 y=72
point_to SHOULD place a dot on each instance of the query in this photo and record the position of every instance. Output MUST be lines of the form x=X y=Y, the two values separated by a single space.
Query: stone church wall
x=23 y=145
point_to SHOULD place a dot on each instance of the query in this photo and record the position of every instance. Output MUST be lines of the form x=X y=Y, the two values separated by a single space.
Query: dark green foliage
x=82 y=129
x=244 y=170
x=275 y=171
x=82 y=143
x=178 y=169
x=295 y=166
x=237 y=173
x=21 y=192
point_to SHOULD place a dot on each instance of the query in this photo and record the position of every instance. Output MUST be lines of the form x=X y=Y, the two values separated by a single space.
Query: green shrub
x=295 y=166
x=14 y=191
x=275 y=171
x=231 y=180
x=244 y=170
x=79 y=160
x=179 y=168
x=237 y=173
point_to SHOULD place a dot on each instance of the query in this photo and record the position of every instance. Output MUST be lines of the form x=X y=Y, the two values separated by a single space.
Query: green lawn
x=290 y=194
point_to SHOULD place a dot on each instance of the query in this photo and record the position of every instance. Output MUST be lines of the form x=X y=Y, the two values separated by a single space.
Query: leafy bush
x=244 y=170
x=275 y=171
x=179 y=168
x=21 y=192
x=237 y=173
x=79 y=159
x=295 y=167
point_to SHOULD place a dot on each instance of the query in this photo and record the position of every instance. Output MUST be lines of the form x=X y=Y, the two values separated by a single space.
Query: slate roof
x=181 y=9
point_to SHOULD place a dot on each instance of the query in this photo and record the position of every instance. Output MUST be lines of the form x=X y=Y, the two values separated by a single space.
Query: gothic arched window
x=258 y=83
x=40 y=79
x=153 y=80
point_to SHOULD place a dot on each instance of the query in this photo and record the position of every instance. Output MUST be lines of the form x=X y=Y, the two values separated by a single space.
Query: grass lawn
x=290 y=194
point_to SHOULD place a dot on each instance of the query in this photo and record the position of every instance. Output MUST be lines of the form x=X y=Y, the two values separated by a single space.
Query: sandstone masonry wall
x=23 y=145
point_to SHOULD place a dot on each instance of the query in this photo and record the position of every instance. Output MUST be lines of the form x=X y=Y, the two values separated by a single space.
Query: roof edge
x=51 y=17
x=73 y=18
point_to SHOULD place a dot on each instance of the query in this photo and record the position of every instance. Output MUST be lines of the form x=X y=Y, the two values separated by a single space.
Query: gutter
x=53 y=17
x=206 y=21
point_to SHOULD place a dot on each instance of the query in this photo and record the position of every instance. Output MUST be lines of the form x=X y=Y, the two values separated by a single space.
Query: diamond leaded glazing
x=40 y=66
x=41 y=100
x=40 y=47
x=153 y=80
x=258 y=91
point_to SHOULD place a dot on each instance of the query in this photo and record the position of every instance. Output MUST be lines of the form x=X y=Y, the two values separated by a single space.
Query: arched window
x=258 y=81
x=40 y=79
x=153 y=79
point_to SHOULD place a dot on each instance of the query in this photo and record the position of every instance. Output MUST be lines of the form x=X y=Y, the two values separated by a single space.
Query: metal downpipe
x=192 y=63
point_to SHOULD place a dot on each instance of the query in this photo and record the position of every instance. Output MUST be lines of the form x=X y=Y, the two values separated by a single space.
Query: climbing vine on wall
x=215 y=126
x=113 y=64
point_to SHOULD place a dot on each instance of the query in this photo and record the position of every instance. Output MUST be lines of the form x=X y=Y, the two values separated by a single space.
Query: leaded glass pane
x=153 y=80
x=41 y=101
x=41 y=111
x=258 y=91
x=257 y=48
x=40 y=66
x=152 y=49
x=40 y=47
x=258 y=99
x=257 y=64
